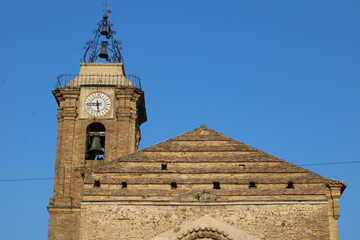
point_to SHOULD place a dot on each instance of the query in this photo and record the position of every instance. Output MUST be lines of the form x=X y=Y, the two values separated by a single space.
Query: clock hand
x=97 y=105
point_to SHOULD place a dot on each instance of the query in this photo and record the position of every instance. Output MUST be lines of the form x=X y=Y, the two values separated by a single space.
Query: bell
x=104 y=30
x=103 y=52
x=95 y=148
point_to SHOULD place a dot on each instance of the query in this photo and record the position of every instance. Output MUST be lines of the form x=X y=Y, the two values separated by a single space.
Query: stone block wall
x=271 y=220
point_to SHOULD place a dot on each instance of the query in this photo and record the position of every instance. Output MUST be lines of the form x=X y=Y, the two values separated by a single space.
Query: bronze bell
x=103 y=52
x=104 y=30
x=95 y=148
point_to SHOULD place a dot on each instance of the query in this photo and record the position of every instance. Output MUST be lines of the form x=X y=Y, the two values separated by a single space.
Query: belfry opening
x=95 y=142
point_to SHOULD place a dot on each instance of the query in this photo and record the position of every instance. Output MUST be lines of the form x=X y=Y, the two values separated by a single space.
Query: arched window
x=95 y=142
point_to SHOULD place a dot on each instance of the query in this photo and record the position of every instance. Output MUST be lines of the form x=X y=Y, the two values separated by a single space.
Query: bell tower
x=99 y=117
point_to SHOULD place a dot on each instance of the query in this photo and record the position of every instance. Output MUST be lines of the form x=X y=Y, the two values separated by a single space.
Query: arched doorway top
x=204 y=234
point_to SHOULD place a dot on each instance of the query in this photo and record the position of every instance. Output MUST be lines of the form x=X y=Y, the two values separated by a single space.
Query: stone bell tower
x=99 y=117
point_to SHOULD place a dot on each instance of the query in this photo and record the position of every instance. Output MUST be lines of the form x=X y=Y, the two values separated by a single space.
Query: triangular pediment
x=204 y=145
x=206 y=166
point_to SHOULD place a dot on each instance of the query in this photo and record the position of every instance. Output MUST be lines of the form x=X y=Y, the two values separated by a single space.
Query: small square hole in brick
x=290 y=185
x=124 y=184
x=97 y=184
x=242 y=166
x=216 y=185
x=252 y=185
x=164 y=166
x=173 y=185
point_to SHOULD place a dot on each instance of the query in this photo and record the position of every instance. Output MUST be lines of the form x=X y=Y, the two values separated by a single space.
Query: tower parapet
x=104 y=74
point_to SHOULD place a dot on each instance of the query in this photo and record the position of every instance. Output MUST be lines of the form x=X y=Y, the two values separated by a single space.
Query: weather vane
x=99 y=48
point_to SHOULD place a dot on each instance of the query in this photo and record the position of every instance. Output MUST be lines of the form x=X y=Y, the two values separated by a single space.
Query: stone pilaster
x=65 y=203
x=333 y=193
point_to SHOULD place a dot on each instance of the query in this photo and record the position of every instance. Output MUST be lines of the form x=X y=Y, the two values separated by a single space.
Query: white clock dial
x=97 y=104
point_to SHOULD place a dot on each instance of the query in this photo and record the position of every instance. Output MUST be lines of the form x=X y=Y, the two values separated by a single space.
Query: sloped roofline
x=225 y=137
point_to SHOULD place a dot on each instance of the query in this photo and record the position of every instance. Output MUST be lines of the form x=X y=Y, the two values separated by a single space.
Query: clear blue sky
x=282 y=76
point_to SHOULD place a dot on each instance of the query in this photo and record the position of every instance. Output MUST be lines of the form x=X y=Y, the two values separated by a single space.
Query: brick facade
x=270 y=220
x=199 y=185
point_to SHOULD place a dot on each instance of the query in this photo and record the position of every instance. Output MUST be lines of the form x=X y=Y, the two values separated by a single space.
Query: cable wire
x=24 y=179
x=332 y=163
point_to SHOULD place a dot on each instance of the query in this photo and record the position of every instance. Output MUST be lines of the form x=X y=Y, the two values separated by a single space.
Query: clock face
x=97 y=104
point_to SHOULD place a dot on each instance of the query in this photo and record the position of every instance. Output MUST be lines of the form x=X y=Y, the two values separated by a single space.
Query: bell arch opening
x=95 y=142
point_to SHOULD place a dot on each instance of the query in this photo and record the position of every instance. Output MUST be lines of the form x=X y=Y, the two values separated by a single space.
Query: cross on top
x=106 y=4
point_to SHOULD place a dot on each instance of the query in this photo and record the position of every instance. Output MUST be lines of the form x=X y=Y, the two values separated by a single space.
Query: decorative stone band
x=204 y=233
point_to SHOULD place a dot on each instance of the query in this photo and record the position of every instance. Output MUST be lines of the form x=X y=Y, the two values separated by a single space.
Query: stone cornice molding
x=66 y=98
x=335 y=183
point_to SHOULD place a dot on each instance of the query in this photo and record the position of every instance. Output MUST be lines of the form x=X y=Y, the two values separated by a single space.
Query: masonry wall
x=110 y=221
x=122 y=137
x=64 y=224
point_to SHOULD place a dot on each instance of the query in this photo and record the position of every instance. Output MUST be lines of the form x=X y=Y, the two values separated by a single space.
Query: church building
x=200 y=185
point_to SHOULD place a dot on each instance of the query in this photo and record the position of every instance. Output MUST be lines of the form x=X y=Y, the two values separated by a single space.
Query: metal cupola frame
x=103 y=45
